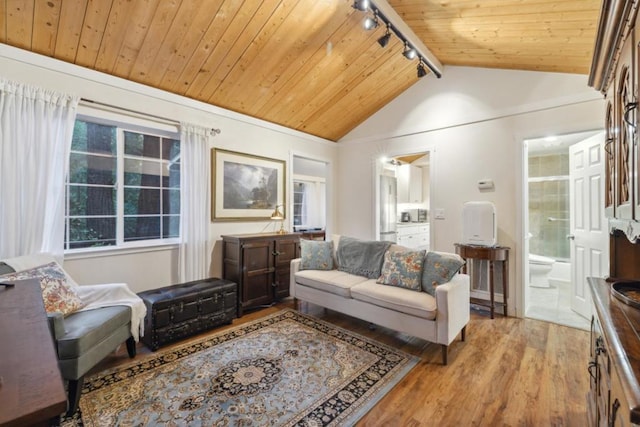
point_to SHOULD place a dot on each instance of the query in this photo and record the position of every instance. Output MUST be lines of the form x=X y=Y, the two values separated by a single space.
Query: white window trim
x=132 y=248
x=309 y=178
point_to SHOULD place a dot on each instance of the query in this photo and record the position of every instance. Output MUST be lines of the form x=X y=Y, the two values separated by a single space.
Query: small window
x=298 y=194
x=123 y=186
x=309 y=203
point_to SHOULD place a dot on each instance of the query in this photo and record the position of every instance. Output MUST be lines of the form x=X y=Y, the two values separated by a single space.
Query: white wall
x=152 y=269
x=475 y=121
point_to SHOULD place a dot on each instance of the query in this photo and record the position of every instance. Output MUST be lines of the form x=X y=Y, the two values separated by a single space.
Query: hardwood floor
x=508 y=372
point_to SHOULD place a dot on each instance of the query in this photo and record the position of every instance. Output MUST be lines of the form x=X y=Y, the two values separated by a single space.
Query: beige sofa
x=438 y=319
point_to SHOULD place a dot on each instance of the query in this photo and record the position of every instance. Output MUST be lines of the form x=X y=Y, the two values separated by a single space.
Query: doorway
x=309 y=197
x=403 y=190
x=554 y=278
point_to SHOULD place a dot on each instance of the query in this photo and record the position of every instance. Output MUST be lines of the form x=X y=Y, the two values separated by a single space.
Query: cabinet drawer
x=422 y=239
x=403 y=240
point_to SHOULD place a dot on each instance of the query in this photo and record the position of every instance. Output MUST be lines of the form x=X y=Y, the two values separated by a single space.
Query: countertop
x=621 y=328
x=411 y=224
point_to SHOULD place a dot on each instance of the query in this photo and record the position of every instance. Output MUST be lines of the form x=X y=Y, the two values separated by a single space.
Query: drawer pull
x=614 y=412
x=628 y=108
x=592 y=365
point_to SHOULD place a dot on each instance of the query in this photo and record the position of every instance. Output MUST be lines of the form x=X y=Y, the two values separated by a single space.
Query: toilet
x=539 y=268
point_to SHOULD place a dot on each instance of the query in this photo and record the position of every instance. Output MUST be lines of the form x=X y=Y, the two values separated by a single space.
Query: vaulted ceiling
x=304 y=64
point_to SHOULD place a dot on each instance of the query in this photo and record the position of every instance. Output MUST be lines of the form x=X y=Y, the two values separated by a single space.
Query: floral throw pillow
x=57 y=294
x=439 y=268
x=316 y=255
x=402 y=269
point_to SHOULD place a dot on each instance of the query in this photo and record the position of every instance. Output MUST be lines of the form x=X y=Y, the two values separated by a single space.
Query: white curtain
x=195 y=177
x=36 y=127
x=313 y=202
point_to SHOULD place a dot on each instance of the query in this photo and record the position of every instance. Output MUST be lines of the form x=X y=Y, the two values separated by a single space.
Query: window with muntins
x=298 y=193
x=309 y=203
x=123 y=187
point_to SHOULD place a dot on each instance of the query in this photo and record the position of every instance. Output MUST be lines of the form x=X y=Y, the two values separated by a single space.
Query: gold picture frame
x=245 y=187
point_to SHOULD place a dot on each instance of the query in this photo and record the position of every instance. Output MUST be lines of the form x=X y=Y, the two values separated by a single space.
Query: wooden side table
x=31 y=386
x=492 y=254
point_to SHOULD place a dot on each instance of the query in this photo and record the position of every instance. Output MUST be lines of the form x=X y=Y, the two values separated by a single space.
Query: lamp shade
x=277 y=215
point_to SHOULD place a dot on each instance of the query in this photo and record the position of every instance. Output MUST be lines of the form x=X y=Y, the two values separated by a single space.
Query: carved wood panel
x=609 y=147
x=626 y=133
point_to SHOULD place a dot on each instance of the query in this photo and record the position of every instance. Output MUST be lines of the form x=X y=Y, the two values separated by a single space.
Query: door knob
x=571 y=237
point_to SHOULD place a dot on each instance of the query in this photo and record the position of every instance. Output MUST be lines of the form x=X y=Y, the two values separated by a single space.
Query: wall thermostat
x=486 y=184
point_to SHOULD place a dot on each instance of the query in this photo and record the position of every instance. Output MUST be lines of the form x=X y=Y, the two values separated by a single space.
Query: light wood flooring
x=508 y=372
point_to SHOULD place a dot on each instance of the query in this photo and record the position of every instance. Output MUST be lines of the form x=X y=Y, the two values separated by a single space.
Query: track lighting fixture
x=370 y=23
x=383 y=12
x=409 y=52
x=421 y=70
x=361 y=5
x=384 y=40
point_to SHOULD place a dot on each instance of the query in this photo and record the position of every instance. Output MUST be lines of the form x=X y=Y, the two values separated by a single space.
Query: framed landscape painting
x=245 y=187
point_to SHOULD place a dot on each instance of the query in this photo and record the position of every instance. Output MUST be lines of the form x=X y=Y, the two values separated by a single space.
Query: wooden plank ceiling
x=304 y=64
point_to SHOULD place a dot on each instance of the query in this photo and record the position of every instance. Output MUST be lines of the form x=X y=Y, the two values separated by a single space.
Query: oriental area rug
x=281 y=370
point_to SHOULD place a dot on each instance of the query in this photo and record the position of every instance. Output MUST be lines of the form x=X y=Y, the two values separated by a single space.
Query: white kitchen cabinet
x=415 y=236
x=409 y=184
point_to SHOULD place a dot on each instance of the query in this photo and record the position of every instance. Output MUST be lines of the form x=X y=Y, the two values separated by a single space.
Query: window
x=308 y=203
x=298 y=193
x=123 y=186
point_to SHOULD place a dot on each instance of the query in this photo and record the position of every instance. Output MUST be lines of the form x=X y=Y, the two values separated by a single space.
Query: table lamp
x=278 y=216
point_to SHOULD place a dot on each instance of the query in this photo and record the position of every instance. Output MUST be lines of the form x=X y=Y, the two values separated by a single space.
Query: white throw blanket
x=110 y=294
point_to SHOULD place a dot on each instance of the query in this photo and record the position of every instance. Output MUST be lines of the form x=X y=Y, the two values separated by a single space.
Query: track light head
x=370 y=23
x=384 y=40
x=421 y=70
x=361 y=4
x=409 y=52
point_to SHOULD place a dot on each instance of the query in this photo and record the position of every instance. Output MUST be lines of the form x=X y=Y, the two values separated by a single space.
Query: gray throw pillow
x=439 y=268
x=316 y=255
x=5 y=269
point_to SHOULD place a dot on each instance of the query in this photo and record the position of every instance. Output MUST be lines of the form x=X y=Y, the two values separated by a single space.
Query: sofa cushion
x=361 y=257
x=439 y=268
x=316 y=255
x=332 y=281
x=87 y=329
x=402 y=269
x=57 y=294
x=419 y=304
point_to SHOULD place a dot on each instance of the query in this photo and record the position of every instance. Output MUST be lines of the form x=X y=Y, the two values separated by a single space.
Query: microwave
x=419 y=215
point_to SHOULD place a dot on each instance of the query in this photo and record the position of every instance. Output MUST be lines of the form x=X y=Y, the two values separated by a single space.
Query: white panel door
x=588 y=225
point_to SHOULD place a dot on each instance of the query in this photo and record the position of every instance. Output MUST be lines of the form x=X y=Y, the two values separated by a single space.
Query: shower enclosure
x=549 y=205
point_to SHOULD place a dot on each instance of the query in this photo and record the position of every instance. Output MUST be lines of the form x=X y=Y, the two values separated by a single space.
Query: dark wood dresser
x=260 y=264
x=31 y=387
x=614 y=367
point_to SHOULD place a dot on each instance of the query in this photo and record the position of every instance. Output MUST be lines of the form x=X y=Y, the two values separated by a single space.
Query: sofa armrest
x=56 y=325
x=295 y=267
x=453 y=299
